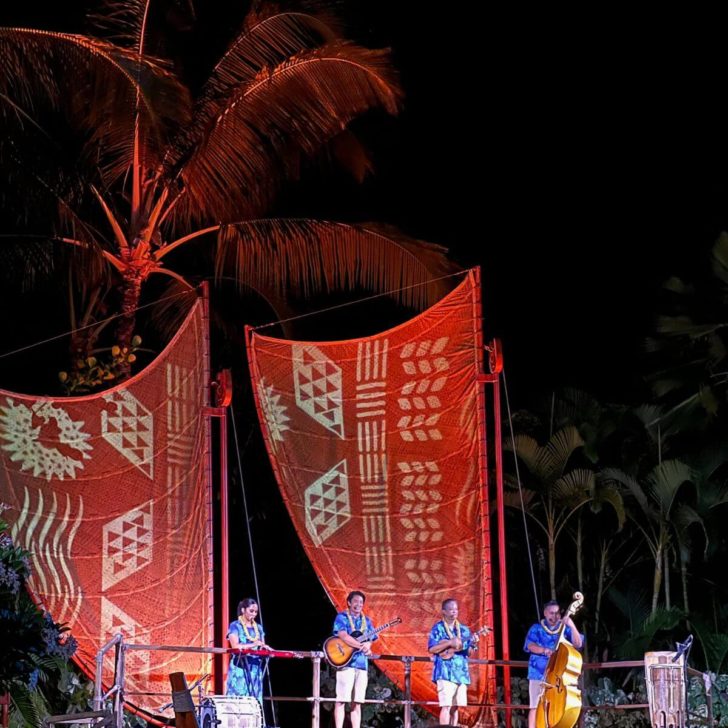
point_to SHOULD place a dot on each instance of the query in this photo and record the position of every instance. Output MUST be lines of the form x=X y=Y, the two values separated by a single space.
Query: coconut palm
x=139 y=165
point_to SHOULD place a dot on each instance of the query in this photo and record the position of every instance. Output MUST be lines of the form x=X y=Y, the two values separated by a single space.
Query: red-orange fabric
x=110 y=494
x=377 y=446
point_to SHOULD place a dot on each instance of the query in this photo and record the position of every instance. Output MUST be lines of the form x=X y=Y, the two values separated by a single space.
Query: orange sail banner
x=110 y=493
x=377 y=445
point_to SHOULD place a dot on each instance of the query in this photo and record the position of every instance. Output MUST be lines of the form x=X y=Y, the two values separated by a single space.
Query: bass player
x=539 y=644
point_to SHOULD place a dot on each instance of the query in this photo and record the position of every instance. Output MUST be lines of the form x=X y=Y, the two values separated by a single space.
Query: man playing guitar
x=351 y=681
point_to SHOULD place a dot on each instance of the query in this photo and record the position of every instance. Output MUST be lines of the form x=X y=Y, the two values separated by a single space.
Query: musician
x=245 y=673
x=452 y=675
x=351 y=681
x=539 y=644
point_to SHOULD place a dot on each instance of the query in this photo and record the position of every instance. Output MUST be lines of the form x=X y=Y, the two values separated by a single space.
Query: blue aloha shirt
x=538 y=635
x=245 y=673
x=341 y=624
x=455 y=669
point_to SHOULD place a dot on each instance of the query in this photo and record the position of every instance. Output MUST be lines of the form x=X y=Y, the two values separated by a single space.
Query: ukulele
x=339 y=654
x=450 y=651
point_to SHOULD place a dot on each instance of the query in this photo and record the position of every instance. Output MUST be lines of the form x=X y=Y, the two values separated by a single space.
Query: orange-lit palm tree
x=159 y=166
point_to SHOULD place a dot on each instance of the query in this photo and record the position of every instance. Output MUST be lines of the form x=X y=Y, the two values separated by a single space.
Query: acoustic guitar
x=338 y=654
x=450 y=651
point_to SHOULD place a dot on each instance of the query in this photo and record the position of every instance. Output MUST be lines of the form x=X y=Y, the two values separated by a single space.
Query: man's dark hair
x=356 y=594
x=247 y=602
x=551 y=603
x=447 y=601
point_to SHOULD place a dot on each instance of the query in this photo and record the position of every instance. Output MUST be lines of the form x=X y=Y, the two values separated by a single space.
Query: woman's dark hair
x=242 y=606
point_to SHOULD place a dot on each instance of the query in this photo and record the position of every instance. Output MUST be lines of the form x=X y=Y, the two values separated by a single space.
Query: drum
x=230 y=711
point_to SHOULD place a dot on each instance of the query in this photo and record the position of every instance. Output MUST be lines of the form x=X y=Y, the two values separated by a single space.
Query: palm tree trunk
x=552 y=566
x=666 y=558
x=131 y=293
x=579 y=553
x=600 y=587
x=684 y=579
x=657 y=579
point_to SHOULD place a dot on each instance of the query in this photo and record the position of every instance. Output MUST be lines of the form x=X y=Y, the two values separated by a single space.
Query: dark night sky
x=579 y=159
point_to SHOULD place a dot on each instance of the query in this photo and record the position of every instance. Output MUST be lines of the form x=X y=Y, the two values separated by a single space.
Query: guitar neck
x=373 y=632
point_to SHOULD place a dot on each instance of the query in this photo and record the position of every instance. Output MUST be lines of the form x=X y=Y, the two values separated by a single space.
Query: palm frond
x=715 y=645
x=612 y=496
x=231 y=164
x=574 y=486
x=270 y=36
x=303 y=256
x=665 y=480
x=120 y=21
x=104 y=90
x=614 y=475
x=648 y=634
x=23 y=703
x=560 y=447
x=719 y=257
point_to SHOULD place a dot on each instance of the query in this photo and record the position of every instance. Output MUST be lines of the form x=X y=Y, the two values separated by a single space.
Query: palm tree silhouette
x=138 y=164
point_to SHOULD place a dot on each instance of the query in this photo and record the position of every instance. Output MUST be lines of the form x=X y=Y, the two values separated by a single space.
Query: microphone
x=683 y=648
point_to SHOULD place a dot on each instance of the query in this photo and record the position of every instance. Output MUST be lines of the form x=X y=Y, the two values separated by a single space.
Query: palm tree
x=656 y=498
x=156 y=166
x=554 y=492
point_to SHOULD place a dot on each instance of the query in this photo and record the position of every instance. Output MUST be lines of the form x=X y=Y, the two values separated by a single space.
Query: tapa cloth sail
x=377 y=445
x=110 y=493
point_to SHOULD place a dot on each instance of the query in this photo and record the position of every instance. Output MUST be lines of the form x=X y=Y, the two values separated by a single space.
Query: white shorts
x=450 y=693
x=351 y=685
x=535 y=688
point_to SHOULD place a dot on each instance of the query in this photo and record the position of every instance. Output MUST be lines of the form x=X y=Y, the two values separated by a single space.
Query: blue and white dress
x=245 y=673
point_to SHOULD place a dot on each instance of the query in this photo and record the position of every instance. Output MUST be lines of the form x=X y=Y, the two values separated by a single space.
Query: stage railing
x=119 y=695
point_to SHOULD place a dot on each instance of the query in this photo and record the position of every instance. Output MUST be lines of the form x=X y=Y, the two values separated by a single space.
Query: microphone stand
x=682 y=649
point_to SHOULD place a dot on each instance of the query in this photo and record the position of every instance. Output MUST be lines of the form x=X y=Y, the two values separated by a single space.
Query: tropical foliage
x=649 y=551
x=132 y=158
x=36 y=651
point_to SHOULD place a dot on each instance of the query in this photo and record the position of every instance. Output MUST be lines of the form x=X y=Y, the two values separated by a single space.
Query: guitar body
x=337 y=653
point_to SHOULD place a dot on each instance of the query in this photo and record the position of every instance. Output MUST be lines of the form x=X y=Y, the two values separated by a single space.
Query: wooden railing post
x=184 y=708
x=407 y=661
x=316 y=692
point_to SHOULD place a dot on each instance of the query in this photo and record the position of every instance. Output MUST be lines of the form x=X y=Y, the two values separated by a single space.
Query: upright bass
x=560 y=703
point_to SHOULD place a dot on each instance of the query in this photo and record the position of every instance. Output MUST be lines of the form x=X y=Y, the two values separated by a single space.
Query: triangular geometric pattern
x=317 y=381
x=381 y=469
x=115 y=620
x=118 y=545
x=130 y=429
x=327 y=503
x=127 y=545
